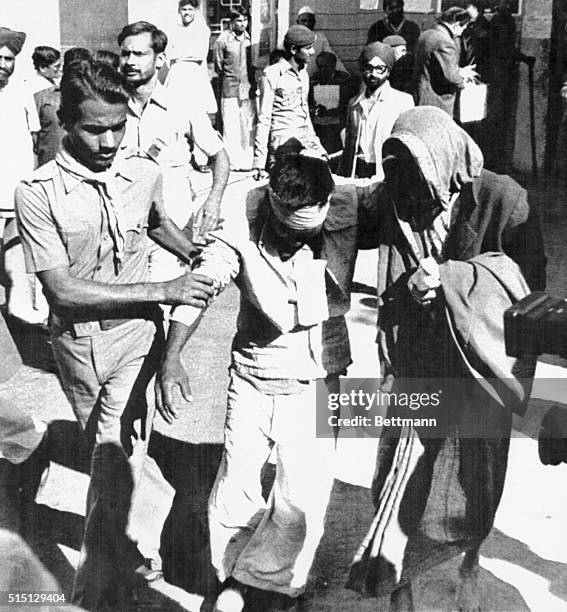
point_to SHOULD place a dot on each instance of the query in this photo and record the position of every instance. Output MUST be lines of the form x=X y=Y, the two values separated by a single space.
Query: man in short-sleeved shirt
x=161 y=128
x=83 y=220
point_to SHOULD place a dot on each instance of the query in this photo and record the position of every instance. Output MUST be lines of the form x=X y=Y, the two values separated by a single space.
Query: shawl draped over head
x=446 y=155
x=436 y=491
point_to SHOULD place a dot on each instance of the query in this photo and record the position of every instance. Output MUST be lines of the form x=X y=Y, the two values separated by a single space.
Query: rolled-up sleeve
x=221 y=264
x=43 y=246
x=267 y=88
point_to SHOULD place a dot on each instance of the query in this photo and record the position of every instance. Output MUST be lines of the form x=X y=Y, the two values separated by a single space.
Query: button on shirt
x=160 y=129
x=284 y=106
x=62 y=222
x=231 y=63
x=18 y=119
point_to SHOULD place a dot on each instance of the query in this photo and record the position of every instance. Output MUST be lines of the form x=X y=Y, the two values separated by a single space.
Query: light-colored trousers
x=271 y=545
x=239 y=131
x=106 y=378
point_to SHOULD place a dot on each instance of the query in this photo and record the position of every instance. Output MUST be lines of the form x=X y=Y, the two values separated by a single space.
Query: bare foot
x=401 y=599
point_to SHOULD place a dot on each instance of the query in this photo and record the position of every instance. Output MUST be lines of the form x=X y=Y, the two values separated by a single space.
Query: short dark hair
x=88 y=80
x=387 y=3
x=275 y=56
x=159 y=38
x=43 y=57
x=193 y=3
x=104 y=56
x=455 y=14
x=238 y=11
x=299 y=179
x=75 y=54
x=326 y=58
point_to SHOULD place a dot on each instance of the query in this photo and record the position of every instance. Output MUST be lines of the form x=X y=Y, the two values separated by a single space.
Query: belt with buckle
x=91 y=324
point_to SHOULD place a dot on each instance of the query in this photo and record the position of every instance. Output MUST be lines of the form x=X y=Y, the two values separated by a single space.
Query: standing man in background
x=394 y=22
x=233 y=65
x=47 y=63
x=47 y=102
x=284 y=101
x=438 y=74
x=188 y=77
x=160 y=128
x=372 y=114
x=19 y=126
x=306 y=17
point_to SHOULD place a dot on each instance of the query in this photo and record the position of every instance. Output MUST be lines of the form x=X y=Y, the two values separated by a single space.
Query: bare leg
x=401 y=599
x=468 y=593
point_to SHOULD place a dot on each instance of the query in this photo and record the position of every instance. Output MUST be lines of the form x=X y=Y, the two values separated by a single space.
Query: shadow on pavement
x=501 y=546
x=191 y=470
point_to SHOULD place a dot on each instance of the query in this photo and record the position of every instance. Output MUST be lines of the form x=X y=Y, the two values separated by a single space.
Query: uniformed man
x=83 y=218
x=161 y=127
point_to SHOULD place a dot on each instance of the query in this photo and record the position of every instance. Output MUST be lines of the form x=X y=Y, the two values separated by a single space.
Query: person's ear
x=160 y=60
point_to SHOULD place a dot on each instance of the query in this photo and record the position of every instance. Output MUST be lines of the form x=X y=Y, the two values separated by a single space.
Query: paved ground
x=524 y=561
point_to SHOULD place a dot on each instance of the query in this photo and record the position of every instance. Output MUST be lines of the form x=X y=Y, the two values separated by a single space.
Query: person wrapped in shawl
x=457 y=246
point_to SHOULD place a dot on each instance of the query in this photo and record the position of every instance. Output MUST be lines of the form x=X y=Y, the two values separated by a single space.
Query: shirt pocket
x=78 y=237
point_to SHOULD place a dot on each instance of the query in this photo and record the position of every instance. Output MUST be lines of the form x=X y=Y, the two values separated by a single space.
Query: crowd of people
x=106 y=244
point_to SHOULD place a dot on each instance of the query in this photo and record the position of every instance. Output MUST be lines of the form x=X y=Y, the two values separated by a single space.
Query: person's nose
x=108 y=140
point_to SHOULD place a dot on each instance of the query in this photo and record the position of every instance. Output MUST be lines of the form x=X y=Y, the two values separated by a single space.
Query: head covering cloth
x=447 y=157
x=378 y=49
x=394 y=40
x=300 y=36
x=12 y=39
x=300 y=219
x=305 y=10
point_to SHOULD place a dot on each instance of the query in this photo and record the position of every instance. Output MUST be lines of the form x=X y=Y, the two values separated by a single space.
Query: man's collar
x=246 y=35
x=71 y=180
x=378 y=94
x=158 y=96
x=286 y=66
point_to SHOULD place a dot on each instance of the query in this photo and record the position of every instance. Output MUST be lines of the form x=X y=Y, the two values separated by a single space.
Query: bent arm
x=447 y=59
x=66 y=291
